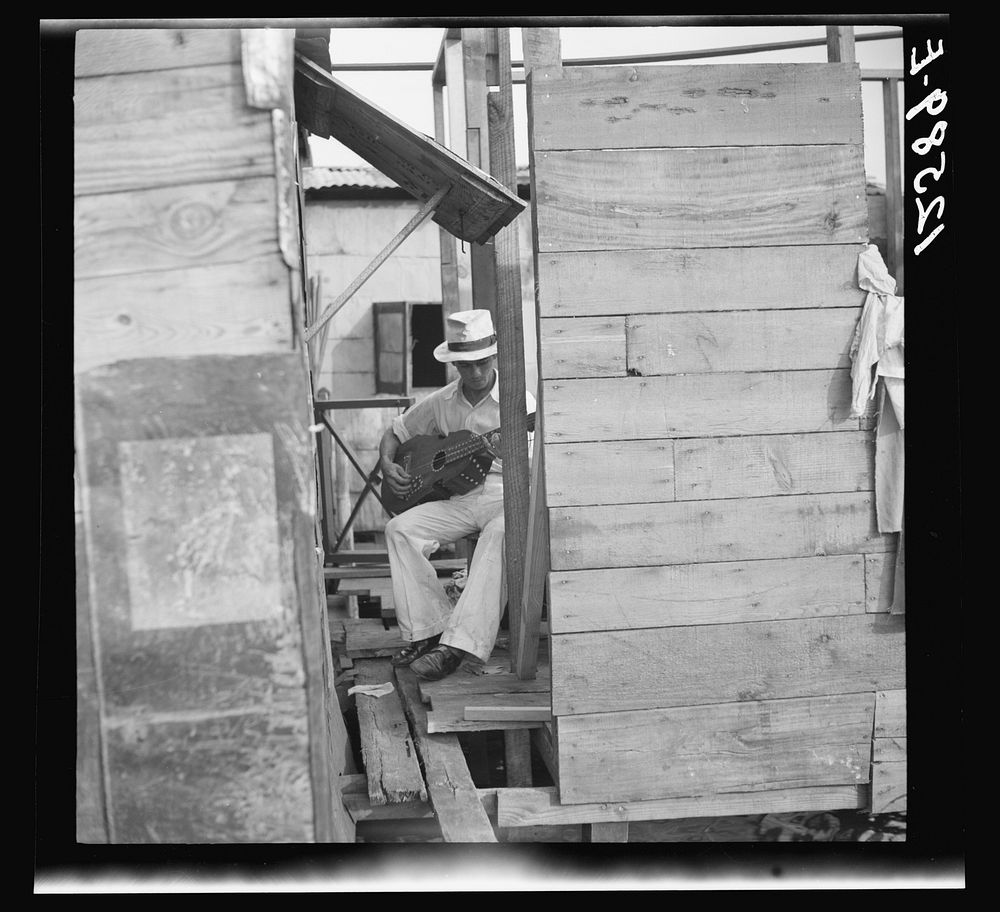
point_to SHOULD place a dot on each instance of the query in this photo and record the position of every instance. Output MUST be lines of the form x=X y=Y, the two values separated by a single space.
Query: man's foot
x=414 y=651
x=440 y=662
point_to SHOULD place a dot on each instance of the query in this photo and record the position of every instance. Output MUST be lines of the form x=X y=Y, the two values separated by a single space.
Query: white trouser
x=422 y=608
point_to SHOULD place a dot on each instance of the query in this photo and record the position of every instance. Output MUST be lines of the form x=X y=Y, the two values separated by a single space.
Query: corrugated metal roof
x=321 y=178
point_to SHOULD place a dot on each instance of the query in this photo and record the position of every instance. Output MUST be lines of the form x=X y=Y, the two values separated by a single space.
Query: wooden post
x=840 y=43
x=893 y=182
x=449 y=262
x=477 y=151
x=541 y=48
x=517 y=757
x=344 y=496
x=510 y=344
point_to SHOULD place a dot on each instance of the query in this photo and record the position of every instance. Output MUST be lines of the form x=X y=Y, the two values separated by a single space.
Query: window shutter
x=392 y=347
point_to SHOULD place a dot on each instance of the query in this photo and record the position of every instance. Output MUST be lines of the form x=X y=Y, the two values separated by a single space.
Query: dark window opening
x=426 y=332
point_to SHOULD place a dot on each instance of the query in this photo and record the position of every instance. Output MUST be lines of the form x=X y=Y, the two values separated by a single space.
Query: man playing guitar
x=440 y=637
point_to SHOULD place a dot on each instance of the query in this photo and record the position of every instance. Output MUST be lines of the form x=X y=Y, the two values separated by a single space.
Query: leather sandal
x=414 y=651
x=440 y=662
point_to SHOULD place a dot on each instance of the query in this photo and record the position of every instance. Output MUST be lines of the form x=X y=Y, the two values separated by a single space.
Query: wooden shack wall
x=343 y=236
x=718 y=610
x=206 y=706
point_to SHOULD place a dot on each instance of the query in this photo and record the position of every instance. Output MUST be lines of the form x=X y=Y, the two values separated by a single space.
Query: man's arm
x=393 y=474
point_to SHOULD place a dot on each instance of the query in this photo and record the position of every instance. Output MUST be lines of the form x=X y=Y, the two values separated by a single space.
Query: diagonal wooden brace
x=412 y=225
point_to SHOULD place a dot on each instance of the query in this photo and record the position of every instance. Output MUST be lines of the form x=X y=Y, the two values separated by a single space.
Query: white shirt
x=447 y=410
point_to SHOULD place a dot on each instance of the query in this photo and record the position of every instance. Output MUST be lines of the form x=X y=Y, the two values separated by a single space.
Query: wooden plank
x=642 y=535
x=711 y=197
x=582 y=347
x=541 y=806
x=199 y=628
x=721 y=104
x=773 y=464
x=749 y=341
x=716 y=593
x=476 y=206
x=174 y=227
x=713 y=750
x=124 y=50
x=895 y=258
x=703 y=405
x=723 y=663
x=886 y=750
x=521 y=707
x=889 y=787
x=880 y=575
x=367 y=638
x=541 y=48
x=890 y=714
x=361 y=809
x=137 y=132
x=498 y=680
x=609 y=832
x=517 y=757
x=235 y=309
x=613 y=471
x=449 y=785
x=533 y=593
x=588 y=283
x=387 y=750
x=544 y=741
x=448 y=715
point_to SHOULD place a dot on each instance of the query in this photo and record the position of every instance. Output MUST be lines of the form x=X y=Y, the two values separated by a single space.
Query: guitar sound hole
x=438 y=462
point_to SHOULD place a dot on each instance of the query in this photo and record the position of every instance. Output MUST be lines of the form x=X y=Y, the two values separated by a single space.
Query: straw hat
x=469 y=336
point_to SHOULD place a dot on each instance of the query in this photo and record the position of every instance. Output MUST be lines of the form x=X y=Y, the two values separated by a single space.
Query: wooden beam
x=517 y=758
x=450 y=788
x=893 y=182
x=390 y=760
x=541 y=806
x=422 y=214
x=478 y=152
x=510 y=343
x=840 y=43
x=609 y=832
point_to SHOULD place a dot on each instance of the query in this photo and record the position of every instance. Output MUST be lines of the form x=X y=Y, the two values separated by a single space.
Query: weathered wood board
x=634 y=535
x=605 y=281
x=190 y=126
x=198 y=475
x=890 y=714
x=174 y=227
x=613 y=107
x=230 y=309
x=745 y=196
x=390 y=758
x=449 y=784
x=702 y=405
x=717 y=749
x=476 y=206
x=774 y=464
x=724 y=663
x=519 y=807
x=880 y=574
x=613 y=471
x=740 y=341
x=889 y=787
x=725 y=592
x=100 y=52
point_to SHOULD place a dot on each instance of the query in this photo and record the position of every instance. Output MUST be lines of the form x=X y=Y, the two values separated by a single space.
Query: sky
x=407 y=95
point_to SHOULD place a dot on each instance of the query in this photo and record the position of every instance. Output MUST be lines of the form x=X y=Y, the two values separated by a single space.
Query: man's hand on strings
x=399 y=481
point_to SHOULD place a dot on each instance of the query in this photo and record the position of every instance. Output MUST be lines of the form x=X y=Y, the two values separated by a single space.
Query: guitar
x=442 y=466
